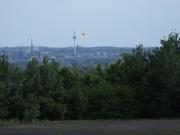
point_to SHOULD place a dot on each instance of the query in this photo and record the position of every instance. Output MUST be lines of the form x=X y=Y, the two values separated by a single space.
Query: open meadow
x=110 y=127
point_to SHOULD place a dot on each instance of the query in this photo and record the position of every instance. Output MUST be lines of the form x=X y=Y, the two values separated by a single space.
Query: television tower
x=31 y=47
x=75 y=49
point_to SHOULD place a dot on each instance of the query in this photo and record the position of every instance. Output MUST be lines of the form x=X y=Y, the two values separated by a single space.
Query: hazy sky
x=106 y=22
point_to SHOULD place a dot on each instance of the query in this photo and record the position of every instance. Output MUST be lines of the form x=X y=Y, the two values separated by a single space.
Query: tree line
x=142 y=84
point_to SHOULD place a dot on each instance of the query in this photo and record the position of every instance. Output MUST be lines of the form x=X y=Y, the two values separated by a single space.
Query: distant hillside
x=86 y=56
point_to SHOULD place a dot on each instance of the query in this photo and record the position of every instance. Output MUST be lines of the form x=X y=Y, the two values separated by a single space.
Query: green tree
x=164 y=76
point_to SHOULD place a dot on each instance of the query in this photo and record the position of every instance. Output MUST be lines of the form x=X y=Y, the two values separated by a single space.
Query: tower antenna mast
x=31 y=46
x=74 y=38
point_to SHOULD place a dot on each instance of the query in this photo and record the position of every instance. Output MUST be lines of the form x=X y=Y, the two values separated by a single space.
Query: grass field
x=119 y=127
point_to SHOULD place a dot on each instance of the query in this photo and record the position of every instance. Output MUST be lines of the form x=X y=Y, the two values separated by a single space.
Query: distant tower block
x=31 y=47
x=75 y=49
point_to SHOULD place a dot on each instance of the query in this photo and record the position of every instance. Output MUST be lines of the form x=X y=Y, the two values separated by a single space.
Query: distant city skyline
x=118 y=23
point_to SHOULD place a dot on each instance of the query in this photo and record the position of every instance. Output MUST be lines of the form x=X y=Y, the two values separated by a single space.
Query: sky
x=120 y=23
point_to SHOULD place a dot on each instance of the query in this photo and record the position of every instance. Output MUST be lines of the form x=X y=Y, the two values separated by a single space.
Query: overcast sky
x=122 y=23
